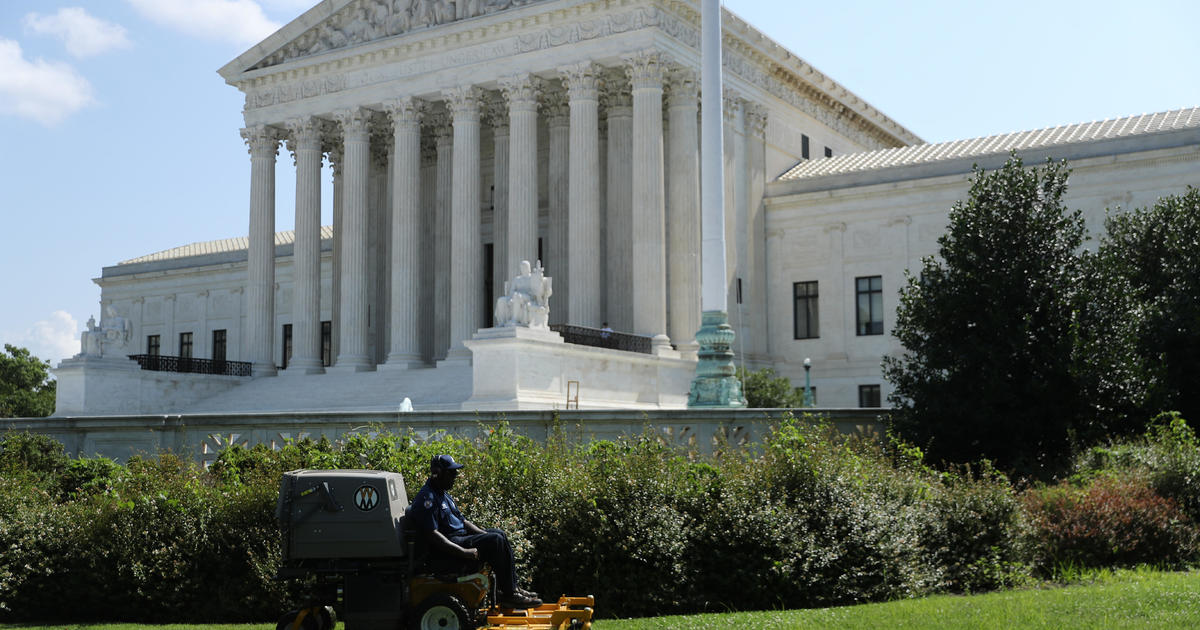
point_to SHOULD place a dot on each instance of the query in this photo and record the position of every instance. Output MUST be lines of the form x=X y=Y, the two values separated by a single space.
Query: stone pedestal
x=527 y=368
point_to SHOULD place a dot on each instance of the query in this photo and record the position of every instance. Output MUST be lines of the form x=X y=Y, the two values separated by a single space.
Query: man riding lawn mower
x=391 y=565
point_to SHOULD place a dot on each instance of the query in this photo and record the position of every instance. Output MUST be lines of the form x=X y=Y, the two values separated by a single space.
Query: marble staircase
x=430 y=389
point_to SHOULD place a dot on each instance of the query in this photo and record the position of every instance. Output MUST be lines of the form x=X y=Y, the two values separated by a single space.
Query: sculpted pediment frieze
x=368 y=20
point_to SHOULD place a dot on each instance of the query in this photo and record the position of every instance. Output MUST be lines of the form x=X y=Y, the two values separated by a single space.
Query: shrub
x=1111 y=522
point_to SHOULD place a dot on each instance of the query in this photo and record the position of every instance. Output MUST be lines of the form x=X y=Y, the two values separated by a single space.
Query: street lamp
x=808 y=395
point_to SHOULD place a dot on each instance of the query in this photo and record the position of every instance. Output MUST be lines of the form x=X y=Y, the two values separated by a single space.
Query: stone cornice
x=750 y=56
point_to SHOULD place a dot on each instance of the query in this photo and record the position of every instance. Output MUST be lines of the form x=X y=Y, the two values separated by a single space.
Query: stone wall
x=201 y=436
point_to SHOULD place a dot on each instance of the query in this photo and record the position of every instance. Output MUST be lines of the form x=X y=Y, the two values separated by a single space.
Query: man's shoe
x=527 y=593
x=518 y=601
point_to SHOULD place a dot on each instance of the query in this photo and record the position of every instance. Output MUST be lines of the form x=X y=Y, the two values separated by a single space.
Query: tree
x=765 y=390
x=987 y=329
x=1146 y=273
x=26 y=390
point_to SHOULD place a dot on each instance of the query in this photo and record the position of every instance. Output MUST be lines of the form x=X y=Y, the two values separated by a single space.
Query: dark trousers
x=493 y=549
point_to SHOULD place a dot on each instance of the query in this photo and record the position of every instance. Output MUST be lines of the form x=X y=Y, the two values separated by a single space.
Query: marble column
x=522 y=92
x=333 y=147
x=683 y=210
x=735 y=213
x=649 y=252
x=583 y=223
x=756 y=226
x=618 y=218
x=356 y=155
x=441 y=235
x=260 y=264
x=557 y=242
x=427 y=289
x=498 y=117
x=466 y=255
x=405 y=350
x=305 y=144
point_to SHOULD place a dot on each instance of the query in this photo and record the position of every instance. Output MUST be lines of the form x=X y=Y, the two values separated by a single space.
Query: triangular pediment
x=338 y=24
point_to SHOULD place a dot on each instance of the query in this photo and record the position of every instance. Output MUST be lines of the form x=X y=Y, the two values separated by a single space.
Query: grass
x=1105 y=599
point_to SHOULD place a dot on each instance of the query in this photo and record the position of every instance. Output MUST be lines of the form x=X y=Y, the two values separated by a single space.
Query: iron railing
x=188 y=365
x=598 y=338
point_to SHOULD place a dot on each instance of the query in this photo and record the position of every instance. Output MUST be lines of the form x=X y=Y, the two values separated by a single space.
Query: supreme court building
x=466 y=137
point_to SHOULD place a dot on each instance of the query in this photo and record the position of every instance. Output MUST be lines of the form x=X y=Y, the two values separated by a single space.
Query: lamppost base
x=715 y=384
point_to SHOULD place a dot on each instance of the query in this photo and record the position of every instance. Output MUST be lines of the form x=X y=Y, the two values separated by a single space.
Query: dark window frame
x=154 y=345
x=220 y=344
x=804 y=153
x=286 y=346
x=186 y=345
x=869 y=396
x=327 y=343
x=870 y=299
x=810 y=310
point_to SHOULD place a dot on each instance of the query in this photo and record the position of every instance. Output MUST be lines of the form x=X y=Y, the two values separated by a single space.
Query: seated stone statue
x=110 y=338
x=527 y=299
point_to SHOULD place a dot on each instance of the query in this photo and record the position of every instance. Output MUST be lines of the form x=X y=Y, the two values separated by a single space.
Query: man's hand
x=470 y=554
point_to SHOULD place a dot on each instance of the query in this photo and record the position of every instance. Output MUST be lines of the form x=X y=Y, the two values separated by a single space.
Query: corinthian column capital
x=556 y=109
x=616 y=93
x=463 y=103
x=582 y=81
x=683 y=87
x=306 y=133
x=355 y=122
x=405 y=112
x=262 y=140
x=756 y=119
x=521 y=91
x=646 y=69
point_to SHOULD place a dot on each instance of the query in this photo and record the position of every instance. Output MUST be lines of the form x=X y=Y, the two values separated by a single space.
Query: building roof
x=1063 y=135
x=220 y=246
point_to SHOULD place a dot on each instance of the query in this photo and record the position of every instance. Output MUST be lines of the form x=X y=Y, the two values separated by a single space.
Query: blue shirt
x=434 y=509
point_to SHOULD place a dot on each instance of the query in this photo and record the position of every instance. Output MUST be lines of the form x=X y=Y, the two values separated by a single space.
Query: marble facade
x=466 y=137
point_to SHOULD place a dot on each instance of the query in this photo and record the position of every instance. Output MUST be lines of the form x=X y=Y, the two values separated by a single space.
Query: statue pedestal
x=97 y=385
x=528 y=368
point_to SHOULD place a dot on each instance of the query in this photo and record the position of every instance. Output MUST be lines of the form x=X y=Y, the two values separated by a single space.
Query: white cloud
x=41 y=90
x=83 y=35
x=237 y=21
x=52 y=339
x=291 y=6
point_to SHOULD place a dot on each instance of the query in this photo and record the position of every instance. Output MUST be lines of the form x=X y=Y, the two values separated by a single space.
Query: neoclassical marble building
x=466 y=137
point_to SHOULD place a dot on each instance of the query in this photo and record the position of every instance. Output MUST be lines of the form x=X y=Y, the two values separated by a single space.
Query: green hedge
x=808 y=518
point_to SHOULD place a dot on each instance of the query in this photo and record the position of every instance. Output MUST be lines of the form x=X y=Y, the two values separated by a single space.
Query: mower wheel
x=441 y=612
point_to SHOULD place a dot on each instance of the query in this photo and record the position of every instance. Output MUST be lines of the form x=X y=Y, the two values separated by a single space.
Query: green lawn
x=1127 y=599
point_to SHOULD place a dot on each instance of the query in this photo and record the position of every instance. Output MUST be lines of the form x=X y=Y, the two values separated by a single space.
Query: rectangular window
x=153 y=345
x=327 y=343
x=739 y=290
x=185 y=345
x=869 y=291
x=805 y=322
x=287 y=344
x=828 y=152
x=218 y=345
x=804 y=146
x=868 y=396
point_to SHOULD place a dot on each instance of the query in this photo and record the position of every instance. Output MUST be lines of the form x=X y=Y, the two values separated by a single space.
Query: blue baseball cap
x=444 y=462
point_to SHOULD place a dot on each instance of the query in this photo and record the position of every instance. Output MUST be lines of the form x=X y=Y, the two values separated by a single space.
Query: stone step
x=429 y=389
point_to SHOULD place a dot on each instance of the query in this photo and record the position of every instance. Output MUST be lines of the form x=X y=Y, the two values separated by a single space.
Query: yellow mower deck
x=568 y=613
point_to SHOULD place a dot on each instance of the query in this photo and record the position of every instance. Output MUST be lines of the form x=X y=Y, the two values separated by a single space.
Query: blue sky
x=119 y=139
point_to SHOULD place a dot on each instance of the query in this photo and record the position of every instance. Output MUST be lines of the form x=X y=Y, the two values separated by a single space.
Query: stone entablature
x=750 y=56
